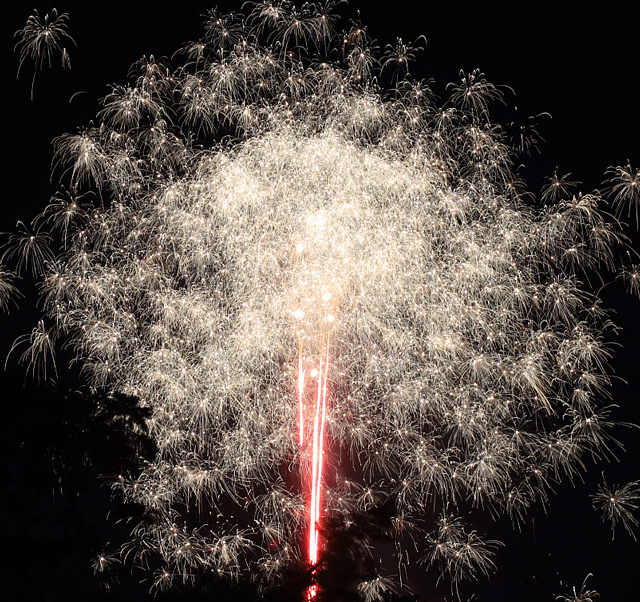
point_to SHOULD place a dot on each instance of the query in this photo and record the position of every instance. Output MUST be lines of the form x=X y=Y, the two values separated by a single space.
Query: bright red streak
x=317 y=451
x=301 y=395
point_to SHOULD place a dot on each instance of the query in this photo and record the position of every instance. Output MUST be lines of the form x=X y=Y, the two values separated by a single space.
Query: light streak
x=317 y=461
x=317 y=409
x=317 y=453
x=301 y=395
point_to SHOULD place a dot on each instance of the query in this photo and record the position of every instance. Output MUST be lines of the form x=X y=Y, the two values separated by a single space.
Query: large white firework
x=266 y=210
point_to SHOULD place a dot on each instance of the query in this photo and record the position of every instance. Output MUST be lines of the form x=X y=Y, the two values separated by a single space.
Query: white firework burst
x=269 y=219
x=41 y=38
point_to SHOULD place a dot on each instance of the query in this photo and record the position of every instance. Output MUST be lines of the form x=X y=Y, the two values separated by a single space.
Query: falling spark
x=41 y=38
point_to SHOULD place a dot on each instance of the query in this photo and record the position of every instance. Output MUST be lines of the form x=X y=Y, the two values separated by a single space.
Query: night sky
x=580 y=67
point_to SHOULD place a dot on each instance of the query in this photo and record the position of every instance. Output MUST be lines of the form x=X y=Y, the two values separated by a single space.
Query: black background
x=579 y=65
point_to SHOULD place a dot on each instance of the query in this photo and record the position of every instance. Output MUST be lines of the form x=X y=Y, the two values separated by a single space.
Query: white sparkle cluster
x=268 y=196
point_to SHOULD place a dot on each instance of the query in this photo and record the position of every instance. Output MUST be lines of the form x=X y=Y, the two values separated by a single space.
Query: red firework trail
x=317 y=449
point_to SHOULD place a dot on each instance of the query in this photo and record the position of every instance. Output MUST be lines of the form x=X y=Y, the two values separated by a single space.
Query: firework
x=8 y=290
x=41 y=38
x=582 y=595
x=618 y=504
x=331 y=295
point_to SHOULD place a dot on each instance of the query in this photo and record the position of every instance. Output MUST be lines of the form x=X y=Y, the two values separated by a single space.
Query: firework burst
x=330 y=294
x=41 y=38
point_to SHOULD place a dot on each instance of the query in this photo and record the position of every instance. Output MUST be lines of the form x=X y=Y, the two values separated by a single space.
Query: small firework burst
x=618 y=505
x=41 y=39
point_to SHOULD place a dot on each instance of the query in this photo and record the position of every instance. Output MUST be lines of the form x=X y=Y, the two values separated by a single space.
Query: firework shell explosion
x=331 y=295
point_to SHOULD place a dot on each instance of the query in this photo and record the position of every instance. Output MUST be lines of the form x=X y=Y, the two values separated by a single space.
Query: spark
x=582 y=595
x=618 y=504
x=8 y=290
x=41 y=38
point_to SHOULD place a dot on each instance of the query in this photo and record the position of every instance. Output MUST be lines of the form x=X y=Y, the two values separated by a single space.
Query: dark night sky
x=581 y=67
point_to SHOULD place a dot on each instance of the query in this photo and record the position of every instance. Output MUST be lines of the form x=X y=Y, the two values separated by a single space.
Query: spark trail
x=317 y=407
x=318 y=404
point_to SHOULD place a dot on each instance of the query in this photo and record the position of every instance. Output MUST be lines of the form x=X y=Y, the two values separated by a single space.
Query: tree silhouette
x=58 y=447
